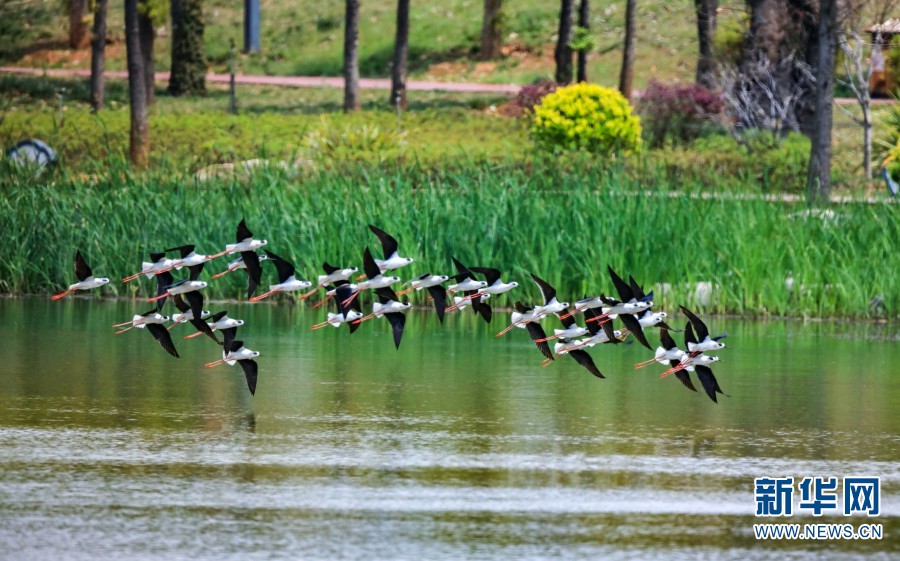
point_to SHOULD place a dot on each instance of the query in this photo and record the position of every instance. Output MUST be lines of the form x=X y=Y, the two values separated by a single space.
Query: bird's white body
x=688 y=362
x=705 y=345
x=462 y=303
x=248 y=244
x=554 y=306
x=150 y=269
x=428 y=282
x=188 y=316
x=663 y=355
x=520 y=319
x=336 y=320
x=633 y=307
x=354 y=288
x=571 y=332
x=239 y=263
x=241 y=354
x=89 y=283
x=188 y=286
x=290 y=285
x=342 y=275
x=226 y=322
x=392 y=307
x=393 y=262
x=587 y=303
x=380 y=281
x=141 y=321
x=191 y=259
x=564 y=347
x=598 y=339
x=649 y=320
x=466 y=285
x=498 y=288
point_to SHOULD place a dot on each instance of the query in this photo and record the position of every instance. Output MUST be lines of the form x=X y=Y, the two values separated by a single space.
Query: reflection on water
x=457 y=446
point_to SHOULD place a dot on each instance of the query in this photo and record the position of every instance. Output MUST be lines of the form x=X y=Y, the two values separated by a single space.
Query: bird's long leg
x=463 y=299
x=264 y=295
x=672 y=370
x=546 y=362
x=61 y=295
x=130 y=278
x=192 y=335
x=360 y=320
x=310 y=293
x=351 y=298
x=174 y=324
x=360 y=277
x=508 y=327
x=319 y=325
x=405 y=291
x=552 y=337
x=214 y=363
x=123 y=324
x=161 y=296
x=569 y=314
x=602 y=318
x=323 y=300
x=121 y=331
x=222 y=274
x=644 y=363
x=217 y=255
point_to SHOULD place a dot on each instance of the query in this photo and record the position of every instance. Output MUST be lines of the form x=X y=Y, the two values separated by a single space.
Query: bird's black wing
x=204 y=328
x=684 y=377
x=593 y=327
x=699 y=326
x=370 y=268
x=251 y=370
x=386 y=294
x=547 y=291
x=463 y=271
x=633 y=325
x=285 y=269
x=154 y=257
x=341 y=293
x=490 y=275
x=329 y=268
x=195 y=299
x=161 y=334
x=163 y=282
x=388 y=242
x=689 y=335
x=666 y=340
x=537 y=333
x=183 y=250
x=423 y=276
x=243 y=233
x=181 y=305
x=625 y=292
x=439 y=295
x=195 y=270
x=82 y=271
x=397 y=322
x=708 y=380
x=228 y=336
x=635 y=288
x=718 y=338
x=254 y=271
x=610 y=332
x=585 y=360
x=217 y=316
x=235 y=346
x=568 y=321
x=482 y=308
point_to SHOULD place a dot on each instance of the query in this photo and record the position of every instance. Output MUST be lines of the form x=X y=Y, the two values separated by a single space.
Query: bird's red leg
x=61 y=295
x=155 y=298
x=323 y=300
x=261 y=296
x=222 y=274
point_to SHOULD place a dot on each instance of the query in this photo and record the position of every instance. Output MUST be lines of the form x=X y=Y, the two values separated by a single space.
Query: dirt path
x=287 y=81
x=327 y=82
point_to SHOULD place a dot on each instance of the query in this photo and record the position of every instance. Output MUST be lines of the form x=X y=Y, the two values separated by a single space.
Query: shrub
x=533 y=94
x=586 y=117
x=677 y=113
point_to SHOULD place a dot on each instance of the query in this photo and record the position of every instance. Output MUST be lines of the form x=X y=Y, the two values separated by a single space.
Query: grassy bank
x=564 y=225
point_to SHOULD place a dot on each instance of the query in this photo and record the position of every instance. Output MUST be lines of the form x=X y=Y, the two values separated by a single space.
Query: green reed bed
x=564 y=226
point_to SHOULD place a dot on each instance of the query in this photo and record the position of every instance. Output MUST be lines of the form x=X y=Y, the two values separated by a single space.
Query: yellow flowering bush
x=586 y=117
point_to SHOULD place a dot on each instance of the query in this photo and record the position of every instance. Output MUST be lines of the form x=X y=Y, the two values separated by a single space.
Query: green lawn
x=305 y=37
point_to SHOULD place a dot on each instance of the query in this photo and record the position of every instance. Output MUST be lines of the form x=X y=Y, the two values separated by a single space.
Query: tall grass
x=566 y=226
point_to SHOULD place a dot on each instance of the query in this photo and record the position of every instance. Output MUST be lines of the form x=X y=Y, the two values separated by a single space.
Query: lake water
x=457 y=446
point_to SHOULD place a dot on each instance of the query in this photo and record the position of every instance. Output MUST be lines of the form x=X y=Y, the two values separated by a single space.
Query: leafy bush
x=677 y=113
x=586 y=117
x=533 y=94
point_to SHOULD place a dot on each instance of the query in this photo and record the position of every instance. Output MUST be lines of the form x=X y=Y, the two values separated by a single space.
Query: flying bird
x=494 y=285
x=374 y=278
x=431 y=283
x=347 y=313
x=236 y=352
x=392 y=259
x=85 y=276
x=287 y=281
x=236 y=265
x=247 y=247
x=152 y=321
x=390 y=308
x=469 y=286
x=158 y=262
x=333 y=275
x=704 y=342
x=220 y=322
x=187 y=316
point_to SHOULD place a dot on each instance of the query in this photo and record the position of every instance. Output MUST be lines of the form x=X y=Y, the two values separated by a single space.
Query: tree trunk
x=78 y=29
x=491 y=30
x=139 y=146
x=147 y=35
x=584 y=21
x=351 y=56
x=401 y=50
x=98 y=52
x=563 y=53
x=188 y=74
x=706 y=31
x=818 y=180
x=867 y=140
x=627 y=74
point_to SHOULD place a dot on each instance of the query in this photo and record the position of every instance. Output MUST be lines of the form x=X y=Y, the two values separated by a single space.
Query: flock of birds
x=633 y=308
